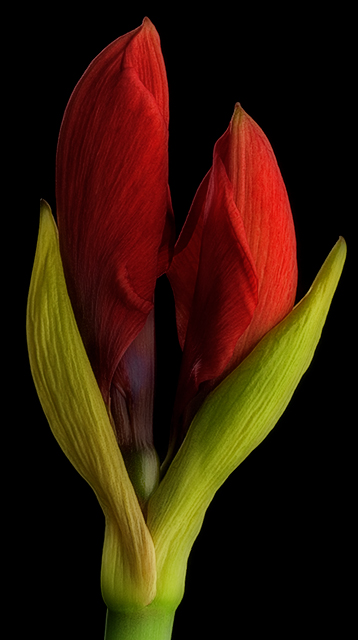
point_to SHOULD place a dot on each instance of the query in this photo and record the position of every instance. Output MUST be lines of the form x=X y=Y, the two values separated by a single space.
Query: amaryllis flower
x=90 y=321
x=115 y=222
x=234 y=273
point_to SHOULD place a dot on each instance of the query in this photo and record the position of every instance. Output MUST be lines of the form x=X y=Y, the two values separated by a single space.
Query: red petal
x=184 y=267
x=132 y=391
x=214 y=283
x=113 y=207
x=261 y=197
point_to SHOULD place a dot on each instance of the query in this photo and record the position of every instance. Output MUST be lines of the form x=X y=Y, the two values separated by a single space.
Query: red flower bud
x=115 y=219
x=234 y=271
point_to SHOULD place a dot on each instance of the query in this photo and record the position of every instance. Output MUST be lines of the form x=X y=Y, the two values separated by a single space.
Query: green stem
x=145 y=624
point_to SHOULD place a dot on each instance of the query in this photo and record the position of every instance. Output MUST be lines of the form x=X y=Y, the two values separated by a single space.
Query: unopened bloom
x=116 y=225
x=234 y=271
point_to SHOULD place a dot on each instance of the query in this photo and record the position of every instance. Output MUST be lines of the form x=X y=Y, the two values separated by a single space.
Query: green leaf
x=233 y=420
x=78 y=418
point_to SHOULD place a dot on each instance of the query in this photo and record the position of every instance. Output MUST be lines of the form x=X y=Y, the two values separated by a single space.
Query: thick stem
x=145 y=624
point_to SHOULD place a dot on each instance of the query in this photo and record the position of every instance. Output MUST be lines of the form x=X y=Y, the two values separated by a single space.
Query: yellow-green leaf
x=233 y=420
x=77 y=415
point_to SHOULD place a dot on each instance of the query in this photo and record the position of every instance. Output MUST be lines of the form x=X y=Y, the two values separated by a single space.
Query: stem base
x=145 y=624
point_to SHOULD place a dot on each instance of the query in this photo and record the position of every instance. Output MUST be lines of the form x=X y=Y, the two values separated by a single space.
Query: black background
x=274 y=553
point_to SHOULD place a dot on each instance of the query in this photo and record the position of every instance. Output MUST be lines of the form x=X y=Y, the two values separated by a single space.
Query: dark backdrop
x=274 y=552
